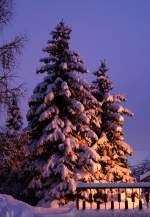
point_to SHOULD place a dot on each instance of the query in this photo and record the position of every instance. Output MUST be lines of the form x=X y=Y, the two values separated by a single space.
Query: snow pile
x=10 y=207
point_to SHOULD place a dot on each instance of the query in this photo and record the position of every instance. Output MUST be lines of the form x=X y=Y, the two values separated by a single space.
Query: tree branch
x=5 y=11
x=9 y=51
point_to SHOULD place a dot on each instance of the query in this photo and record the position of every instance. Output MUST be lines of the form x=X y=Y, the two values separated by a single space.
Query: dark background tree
x=13 y=150
x=14 y=118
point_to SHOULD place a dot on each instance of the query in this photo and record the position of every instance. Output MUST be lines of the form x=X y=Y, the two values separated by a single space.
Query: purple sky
x=118 y=31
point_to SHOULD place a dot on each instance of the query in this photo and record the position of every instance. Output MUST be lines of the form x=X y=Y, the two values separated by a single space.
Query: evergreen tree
x=114 y=150
x=14 y=118
x=64 y=118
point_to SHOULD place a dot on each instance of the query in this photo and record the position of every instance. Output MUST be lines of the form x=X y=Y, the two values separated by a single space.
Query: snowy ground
x=10 y=207
x=116 y=213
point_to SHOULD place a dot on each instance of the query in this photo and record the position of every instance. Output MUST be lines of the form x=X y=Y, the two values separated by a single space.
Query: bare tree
x=8 y=54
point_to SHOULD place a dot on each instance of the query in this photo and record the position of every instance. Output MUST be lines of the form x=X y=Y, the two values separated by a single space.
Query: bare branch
x=9 y=51
x=6 y=93
x=5 y=11
x=8 y=55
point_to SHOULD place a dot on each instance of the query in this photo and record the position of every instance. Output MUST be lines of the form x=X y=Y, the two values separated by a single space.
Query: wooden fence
x=106 y=195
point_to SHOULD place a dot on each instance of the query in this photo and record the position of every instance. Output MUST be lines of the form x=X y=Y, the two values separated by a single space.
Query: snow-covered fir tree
x=14 y=120
x=113 y=149
x=64 y=121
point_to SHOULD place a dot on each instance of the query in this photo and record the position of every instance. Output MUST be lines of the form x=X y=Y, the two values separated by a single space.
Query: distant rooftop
x=145 y=176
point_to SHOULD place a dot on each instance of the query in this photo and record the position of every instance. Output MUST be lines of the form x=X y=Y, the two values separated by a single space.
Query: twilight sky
x=118 y=31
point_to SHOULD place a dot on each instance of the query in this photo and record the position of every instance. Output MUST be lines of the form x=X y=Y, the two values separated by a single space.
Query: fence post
x=133 y=197
x=147 y=198
x=140 y=201
x=112 y=200
x=84 y=205
x=119 y=197
x=77 y=200
x=105 y=198
x=126 y=201
x=98 y=204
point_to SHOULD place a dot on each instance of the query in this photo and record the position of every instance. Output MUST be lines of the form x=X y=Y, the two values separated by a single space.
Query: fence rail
x=106 y=195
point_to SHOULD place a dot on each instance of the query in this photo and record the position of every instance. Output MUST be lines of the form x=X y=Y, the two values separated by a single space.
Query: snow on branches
x=63 y=116
x=115 y=150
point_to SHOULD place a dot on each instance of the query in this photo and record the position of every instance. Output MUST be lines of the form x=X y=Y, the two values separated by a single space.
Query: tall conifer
x=114 y=149
x=64 y=121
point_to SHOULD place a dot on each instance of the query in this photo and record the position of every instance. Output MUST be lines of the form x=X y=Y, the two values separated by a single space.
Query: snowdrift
x=116 y=213
x=10 y=207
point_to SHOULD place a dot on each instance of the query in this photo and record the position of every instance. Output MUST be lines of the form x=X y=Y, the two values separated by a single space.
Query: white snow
x=84 y=118
x=10 y=207
x=63 y=170
x=78 y=106
x=109 y=213
x=68 y=127
x=88 y=133
x=49 y=94
x=57 y=123
x=64 y=66
x=48 y=113
x=110 y=99
x=126 y=147
x=55 y=136
x=91 y=153
x=64 y=91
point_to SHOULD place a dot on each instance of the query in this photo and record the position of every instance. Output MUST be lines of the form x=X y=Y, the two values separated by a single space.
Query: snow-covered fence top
x=84 y=185
x=105 y=195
